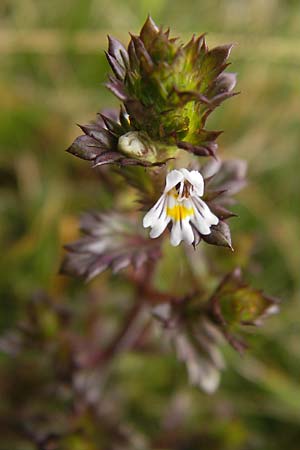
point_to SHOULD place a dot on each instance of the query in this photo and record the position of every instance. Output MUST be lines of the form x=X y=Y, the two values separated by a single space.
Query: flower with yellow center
x=181 y=204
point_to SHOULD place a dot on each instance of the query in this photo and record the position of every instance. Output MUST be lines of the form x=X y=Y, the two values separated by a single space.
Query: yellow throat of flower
x=180 y=212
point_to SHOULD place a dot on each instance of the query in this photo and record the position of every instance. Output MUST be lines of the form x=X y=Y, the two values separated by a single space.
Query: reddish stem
x=130 y=331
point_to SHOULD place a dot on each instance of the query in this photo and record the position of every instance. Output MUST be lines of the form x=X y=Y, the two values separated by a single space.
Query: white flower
x=181 y=204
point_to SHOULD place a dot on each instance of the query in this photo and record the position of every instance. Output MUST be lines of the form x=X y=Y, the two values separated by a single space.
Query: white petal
x=203 y=218
x=210 y=218
x=187 y=231
x=195 y=178
x=199 y=222
x=176 y=234
x=171 y=201
x=188 y=203
x=159 y=227
x=155 y=212
x=174 y=177
x=181 y=229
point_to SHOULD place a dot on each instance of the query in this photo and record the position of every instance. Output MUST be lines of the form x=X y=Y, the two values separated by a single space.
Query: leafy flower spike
x=168 y=90
x=181 y=204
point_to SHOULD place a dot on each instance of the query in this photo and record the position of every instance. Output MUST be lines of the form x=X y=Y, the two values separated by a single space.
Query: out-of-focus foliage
x=110 y=241
x=52 y=67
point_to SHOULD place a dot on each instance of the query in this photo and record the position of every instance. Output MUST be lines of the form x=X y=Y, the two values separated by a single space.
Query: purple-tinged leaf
x=118 y=69
x=106 y=158
x=206 y=150
x=86 y=147
x=188 y=96
x=230 y=176
x=117 y=50
x=196 y=340
x=133 y=59
x=112 y=125
x=218 y=55
x=225 y=82
x=212 y=195
x=220 y=211
x=104 y=137
x=220 y=235
x=145 y=59
x=218 y=99
x=117 y=88
x=111 y=241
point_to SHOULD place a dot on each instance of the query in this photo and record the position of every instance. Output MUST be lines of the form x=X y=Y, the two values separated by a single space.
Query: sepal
x=220 y=235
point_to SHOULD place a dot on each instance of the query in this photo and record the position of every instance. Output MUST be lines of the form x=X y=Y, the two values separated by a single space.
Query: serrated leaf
x=195 y=340
x=110 y=241
x=240 y=303
x=235 y=303
x=228 y=175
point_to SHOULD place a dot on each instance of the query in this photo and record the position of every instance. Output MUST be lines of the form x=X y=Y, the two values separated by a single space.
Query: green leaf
x=235 y=303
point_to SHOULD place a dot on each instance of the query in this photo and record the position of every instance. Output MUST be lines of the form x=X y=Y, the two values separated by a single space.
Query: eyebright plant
x=159 y=144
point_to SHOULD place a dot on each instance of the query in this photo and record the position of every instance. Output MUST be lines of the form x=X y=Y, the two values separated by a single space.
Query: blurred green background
x=53 y=70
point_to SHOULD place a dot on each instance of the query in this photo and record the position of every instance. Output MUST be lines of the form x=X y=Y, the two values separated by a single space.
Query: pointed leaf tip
x=149 y=31
x=220 y=235
x=235 y=304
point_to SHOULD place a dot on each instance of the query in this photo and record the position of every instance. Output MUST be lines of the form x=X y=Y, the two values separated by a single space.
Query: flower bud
x=137 y=144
